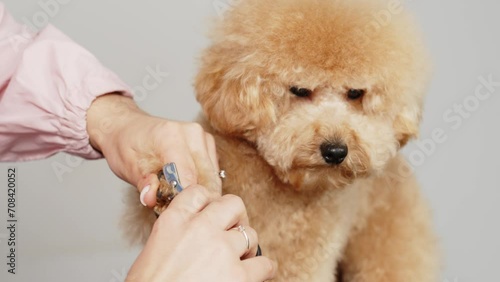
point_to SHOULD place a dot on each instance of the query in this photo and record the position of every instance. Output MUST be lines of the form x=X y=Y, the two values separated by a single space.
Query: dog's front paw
x=164 y=196
x=169 y=187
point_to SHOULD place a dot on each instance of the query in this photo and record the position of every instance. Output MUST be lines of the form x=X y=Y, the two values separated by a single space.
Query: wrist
x=107 y=117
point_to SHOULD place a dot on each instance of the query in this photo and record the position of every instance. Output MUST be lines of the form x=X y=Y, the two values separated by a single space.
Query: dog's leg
x=396 y=242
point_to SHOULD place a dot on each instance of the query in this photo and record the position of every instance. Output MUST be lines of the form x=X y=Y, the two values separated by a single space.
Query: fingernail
x=144 y=191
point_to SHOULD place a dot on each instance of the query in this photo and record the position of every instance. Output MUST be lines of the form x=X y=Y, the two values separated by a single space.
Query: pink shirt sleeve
x=47 y=83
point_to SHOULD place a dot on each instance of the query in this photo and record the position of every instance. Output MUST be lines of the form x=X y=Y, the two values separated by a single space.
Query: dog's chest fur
x=305 y=232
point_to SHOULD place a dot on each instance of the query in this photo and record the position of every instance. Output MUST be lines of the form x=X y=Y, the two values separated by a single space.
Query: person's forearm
x=47 y=83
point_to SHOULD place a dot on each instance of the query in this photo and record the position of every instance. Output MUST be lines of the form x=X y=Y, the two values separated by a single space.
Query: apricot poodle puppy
x=309 y=102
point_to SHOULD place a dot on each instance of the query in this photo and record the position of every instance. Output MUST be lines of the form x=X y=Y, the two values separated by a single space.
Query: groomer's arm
x=48 y=84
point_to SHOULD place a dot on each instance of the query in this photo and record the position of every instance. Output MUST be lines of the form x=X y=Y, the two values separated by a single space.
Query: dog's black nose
x=333 y=153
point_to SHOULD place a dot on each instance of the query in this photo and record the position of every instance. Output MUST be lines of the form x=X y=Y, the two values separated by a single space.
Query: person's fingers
x=215 y=182
x=191 y=200
x=148 y=186
x=238 y=240
x=185 y=165
x=204 y=156
x=207 y=175
x=176 y=150
x=212 y=151
x=227 y=212
x=260 y=268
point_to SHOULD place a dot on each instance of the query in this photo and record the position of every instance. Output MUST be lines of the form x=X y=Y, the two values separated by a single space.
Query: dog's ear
x=409 y=107
x=232 y=95
x=406 y=125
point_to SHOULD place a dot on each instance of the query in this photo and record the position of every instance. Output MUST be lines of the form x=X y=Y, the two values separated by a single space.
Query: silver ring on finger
x=243 y=231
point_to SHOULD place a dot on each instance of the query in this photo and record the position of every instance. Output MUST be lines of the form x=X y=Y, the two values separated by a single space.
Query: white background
x=68 y=229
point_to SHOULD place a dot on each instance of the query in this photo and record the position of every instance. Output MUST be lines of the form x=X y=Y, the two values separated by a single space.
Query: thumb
x=148 y=187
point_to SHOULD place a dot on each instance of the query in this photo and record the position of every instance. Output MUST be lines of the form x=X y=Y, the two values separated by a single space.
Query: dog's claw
x=169 y=187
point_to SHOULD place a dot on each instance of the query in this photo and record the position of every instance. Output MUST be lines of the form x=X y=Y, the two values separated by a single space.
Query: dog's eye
x=300 y=92
x=355 y=94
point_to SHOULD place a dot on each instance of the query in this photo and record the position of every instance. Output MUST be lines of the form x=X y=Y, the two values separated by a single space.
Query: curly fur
x=365 y=217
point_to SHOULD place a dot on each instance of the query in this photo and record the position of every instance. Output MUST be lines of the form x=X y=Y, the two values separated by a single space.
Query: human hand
x=194 y=240
x=136 y=144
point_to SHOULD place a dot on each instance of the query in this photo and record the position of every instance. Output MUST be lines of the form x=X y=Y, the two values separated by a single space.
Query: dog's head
x=327 y=90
